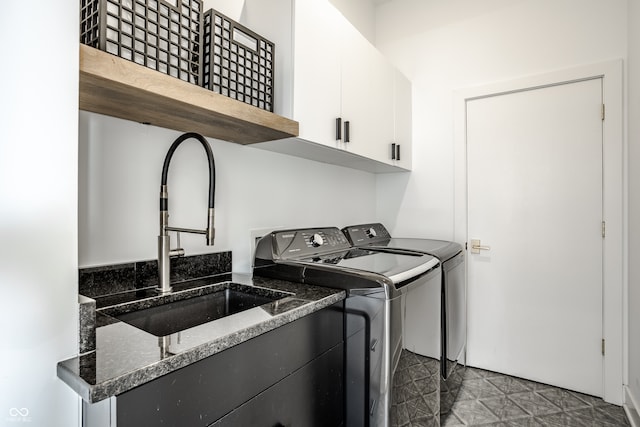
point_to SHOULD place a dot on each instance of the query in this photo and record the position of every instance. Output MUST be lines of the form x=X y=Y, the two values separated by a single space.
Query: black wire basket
x=237 y=62
x=161 y=34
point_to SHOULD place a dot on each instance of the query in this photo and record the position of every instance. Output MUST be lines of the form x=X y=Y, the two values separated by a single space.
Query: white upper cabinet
x=327 y=71
x=318 y=33
x=367 y=98
x=402 y=121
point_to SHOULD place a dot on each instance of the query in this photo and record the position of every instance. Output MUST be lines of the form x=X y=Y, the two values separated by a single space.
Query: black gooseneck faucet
x=164 y=246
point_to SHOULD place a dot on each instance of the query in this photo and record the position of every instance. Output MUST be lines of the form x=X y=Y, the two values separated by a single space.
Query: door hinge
x=602 y=112
x=604 y=229
x=603 y=346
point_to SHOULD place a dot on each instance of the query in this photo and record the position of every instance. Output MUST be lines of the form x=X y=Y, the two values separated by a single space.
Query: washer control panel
x=310 y=241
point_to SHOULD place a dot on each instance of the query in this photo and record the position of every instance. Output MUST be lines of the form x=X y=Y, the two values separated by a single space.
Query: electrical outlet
x=256 y=234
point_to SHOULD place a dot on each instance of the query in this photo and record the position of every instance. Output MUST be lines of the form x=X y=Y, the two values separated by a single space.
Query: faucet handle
x=178 y=251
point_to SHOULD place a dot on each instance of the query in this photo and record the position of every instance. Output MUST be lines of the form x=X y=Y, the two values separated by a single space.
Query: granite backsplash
x=95 y=282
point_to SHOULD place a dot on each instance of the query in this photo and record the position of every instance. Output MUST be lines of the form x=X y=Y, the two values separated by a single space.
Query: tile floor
x=475 y=397
x=416 y=391
x=491 y=399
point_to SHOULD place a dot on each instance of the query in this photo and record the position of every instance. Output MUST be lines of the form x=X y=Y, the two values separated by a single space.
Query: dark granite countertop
x=126 y=357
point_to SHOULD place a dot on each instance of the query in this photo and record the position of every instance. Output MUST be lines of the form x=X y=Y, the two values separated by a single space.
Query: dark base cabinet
x=312 y=396
x=291 y=376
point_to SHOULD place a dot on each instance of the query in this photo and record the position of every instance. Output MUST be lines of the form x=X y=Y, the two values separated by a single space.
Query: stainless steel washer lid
x=442 y=249
x=398 y=266
x=376 y=235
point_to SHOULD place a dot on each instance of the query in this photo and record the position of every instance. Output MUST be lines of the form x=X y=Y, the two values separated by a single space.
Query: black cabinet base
x=308 y=349
x=312 y=396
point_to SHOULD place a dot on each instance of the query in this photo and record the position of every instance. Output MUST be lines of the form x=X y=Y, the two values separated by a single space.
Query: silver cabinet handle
x=476 y=247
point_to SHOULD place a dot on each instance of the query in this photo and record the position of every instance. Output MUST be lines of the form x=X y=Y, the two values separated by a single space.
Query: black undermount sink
x=177 y=316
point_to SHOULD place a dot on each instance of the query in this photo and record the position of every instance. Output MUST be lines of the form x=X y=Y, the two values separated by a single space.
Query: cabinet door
x=313 y=396
x=367 y=97
x=316 y=94
x=402 y=114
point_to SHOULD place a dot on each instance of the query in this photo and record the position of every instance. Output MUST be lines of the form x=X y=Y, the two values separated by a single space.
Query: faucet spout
x=164 y=247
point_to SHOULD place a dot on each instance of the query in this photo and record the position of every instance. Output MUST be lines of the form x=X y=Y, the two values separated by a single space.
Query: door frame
x=614 y=198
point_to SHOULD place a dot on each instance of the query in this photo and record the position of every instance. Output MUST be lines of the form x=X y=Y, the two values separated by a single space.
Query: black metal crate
x=237 y=62
x=161 y=34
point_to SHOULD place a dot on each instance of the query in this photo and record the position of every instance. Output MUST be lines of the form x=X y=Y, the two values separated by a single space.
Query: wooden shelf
x=116 y=87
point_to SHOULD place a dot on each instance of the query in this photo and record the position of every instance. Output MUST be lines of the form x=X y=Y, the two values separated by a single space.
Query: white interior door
x=534 y=171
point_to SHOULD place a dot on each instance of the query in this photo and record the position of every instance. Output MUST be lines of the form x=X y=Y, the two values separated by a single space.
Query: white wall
x=231 y=8
x=120 y=168
x=445 y=46
x=634 y=200
x=38 y=210
x=361 y=14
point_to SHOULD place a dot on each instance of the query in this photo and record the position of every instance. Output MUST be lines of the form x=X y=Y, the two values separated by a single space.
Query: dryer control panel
x=366 y=234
